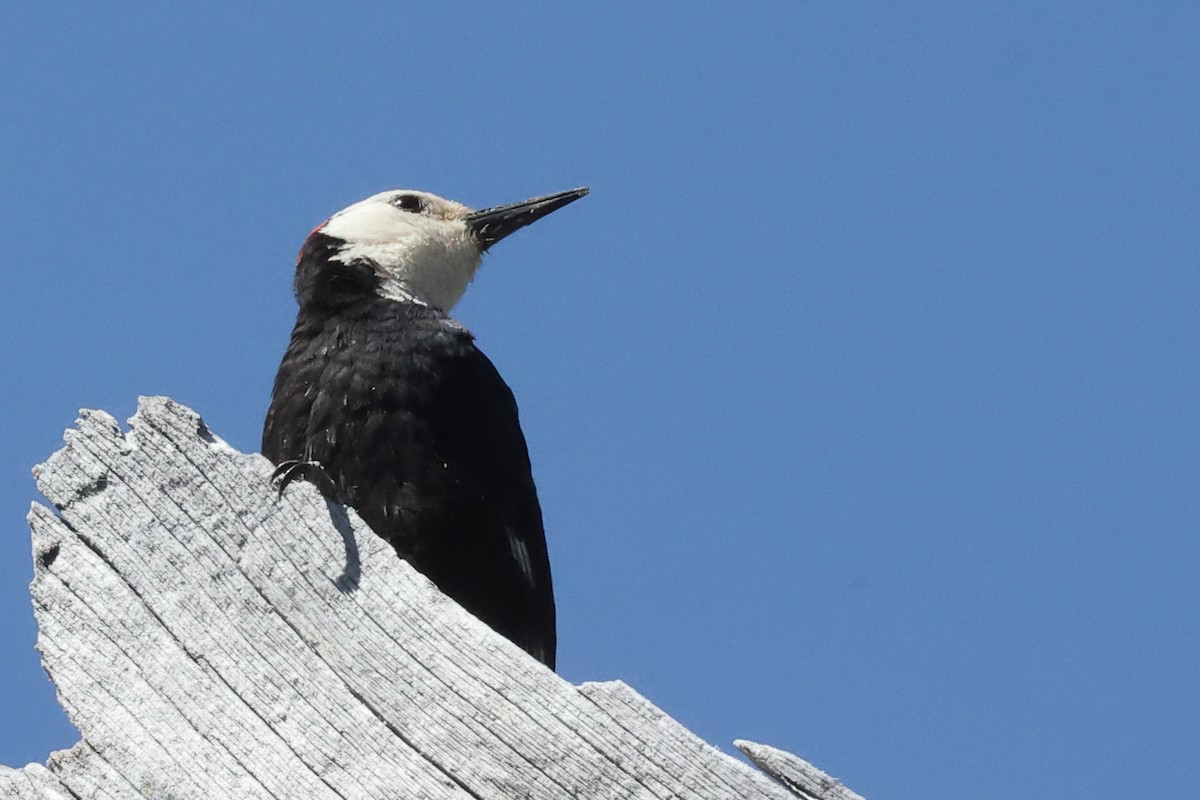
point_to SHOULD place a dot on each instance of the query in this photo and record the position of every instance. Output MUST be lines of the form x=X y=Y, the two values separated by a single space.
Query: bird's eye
x=409 y=202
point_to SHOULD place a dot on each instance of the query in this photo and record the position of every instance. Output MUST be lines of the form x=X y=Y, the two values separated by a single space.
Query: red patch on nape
x=307 y=239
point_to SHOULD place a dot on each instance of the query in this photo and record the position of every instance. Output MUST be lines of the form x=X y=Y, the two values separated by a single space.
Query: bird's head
x=409 y=246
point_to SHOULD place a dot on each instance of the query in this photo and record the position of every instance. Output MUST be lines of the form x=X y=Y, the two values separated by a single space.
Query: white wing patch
x=520 y=554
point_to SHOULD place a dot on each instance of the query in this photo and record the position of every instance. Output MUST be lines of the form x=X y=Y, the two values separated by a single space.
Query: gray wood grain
x=795 y=773
x=34 y=782
x=209 y=641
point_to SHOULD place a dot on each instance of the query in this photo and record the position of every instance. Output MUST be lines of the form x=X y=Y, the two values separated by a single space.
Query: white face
x=420 y=243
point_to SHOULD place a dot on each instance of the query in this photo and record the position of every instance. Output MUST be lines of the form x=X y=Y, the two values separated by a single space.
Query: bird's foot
x=311 y=471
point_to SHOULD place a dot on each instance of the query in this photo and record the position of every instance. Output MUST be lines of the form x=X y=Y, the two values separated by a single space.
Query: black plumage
x=402 y=417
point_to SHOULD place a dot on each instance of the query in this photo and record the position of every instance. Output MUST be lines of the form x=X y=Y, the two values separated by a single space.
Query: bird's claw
x=311 y=471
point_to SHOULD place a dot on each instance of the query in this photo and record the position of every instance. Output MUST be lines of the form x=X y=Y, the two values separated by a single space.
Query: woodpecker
x=386 y=404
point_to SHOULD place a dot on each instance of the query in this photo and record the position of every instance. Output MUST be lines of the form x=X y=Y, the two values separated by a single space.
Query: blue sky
x=861 y=392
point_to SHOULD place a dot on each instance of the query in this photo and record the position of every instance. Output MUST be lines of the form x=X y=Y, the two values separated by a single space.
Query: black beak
x=490 y=225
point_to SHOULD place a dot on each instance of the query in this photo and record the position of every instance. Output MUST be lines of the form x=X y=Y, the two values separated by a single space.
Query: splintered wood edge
x=31 y=781
x=205 y=638
x=793 y=772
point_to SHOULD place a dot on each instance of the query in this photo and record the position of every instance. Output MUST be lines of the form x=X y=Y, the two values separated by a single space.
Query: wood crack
x=208 y=641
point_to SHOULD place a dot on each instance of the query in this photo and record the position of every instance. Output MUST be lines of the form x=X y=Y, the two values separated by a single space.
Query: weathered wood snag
x=211 y=642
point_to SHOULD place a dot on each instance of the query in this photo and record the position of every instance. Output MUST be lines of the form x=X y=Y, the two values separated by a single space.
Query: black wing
x=420 y=434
